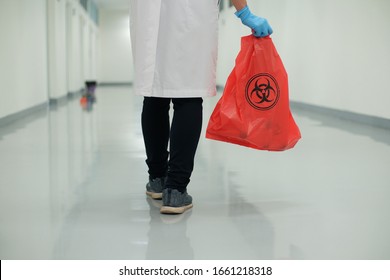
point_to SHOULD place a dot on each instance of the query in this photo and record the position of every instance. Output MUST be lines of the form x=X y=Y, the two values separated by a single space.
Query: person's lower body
x=170 y=172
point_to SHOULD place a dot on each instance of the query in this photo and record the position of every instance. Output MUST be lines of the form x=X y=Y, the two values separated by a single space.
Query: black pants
x=182 y=136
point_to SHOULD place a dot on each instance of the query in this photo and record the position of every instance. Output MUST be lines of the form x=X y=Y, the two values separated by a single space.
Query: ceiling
x=112 y=4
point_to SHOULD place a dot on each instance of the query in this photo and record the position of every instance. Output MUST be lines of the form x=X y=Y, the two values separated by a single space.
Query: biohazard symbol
x=262 y=92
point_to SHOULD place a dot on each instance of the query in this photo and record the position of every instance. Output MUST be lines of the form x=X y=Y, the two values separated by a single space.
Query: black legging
x=183 y=135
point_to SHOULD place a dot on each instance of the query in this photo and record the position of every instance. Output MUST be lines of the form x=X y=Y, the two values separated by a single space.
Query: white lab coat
x=174 y=46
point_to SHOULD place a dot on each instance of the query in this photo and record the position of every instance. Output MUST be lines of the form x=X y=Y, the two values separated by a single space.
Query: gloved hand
x=260 y=26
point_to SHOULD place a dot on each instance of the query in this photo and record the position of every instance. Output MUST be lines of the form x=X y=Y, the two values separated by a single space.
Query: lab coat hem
x=177 y=93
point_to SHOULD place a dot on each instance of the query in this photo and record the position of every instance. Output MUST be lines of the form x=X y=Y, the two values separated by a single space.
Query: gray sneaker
x=155 y=187
x=175 y=202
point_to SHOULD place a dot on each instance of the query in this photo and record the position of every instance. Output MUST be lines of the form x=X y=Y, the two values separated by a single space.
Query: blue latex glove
x=259 y=26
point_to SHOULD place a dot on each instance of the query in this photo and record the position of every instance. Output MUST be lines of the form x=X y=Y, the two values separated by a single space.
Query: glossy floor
x=72 y=187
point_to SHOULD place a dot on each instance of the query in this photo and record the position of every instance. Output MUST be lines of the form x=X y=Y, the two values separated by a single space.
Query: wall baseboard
x=345 y=115
x=58 y=101
x=27 y=113
x=75 y=93
x=52 y=103
x=220 y=88
x=109 y=84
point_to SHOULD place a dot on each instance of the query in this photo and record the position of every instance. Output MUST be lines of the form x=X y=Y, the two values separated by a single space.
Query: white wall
x=57 y=48
x=80 y=46
x=48 y=48
x=92 y=53
x=336 y=52
x=23 y=55
x=116 y=63
x=74 y=47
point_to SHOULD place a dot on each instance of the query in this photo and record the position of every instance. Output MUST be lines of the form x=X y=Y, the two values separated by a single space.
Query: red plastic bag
x=254 y=109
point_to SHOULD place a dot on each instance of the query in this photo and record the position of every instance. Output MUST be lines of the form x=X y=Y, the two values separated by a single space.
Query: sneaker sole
x=175 y=210
x=154 y=195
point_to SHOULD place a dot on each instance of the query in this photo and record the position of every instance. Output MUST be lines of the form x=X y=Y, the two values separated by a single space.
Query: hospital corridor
x=72 y=151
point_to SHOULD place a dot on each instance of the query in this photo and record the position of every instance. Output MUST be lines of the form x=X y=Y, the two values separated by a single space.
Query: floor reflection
x=167 y=235
x=255 y=228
